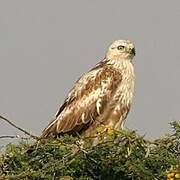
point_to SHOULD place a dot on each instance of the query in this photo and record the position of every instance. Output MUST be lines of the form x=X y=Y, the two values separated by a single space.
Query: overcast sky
x=46 y=45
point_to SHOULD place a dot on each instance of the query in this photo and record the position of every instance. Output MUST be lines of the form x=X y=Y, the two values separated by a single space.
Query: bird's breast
x=120 y=103
x=125 y=89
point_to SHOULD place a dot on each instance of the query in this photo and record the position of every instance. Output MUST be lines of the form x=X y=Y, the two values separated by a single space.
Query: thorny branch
x=20 y=129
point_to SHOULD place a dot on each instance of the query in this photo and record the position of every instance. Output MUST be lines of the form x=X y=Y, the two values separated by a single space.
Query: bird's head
x=121 y=49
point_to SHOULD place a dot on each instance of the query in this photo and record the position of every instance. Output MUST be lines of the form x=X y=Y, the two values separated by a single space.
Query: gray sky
x=46 y=45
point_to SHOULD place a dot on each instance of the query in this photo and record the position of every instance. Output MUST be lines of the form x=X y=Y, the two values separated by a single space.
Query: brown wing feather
x=80 y=108
x=71 y=96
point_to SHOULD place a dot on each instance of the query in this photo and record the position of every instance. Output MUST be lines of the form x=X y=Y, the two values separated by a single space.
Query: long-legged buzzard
x=101 y=97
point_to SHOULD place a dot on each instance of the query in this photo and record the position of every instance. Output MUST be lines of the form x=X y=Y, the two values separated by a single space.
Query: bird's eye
x=120 y=47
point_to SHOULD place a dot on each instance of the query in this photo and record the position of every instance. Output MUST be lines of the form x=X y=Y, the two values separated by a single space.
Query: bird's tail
x=49 y=131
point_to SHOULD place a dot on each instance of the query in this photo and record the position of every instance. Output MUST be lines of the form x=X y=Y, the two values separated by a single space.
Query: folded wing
x=85 y=102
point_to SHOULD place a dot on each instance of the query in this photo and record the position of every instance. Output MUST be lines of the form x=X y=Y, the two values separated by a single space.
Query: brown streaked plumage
x=102 y=96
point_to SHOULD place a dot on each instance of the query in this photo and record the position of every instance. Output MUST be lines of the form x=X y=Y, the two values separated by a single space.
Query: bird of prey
x=101 y=97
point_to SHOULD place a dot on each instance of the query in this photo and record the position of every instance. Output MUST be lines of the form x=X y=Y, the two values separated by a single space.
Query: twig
x=20 y=129
x=152 y=142
x=12 y=137
x=8 y=136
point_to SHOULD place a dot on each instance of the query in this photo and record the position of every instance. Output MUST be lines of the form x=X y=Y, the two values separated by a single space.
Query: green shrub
x=119 y=155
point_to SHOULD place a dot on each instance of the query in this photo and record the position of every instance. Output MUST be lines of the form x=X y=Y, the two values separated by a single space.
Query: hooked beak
x=133 y=51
